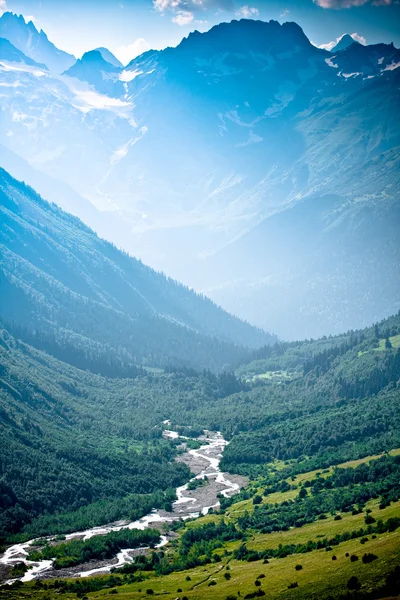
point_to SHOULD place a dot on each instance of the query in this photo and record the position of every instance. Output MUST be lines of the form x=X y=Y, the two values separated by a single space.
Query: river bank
x=203 y=462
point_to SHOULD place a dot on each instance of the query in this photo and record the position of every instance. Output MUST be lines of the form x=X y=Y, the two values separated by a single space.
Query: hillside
x=59 y=277
x=52 y=416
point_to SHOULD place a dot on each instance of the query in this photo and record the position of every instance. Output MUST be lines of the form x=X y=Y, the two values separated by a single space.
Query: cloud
x=184 y=11
x=247 y=12
x=126 y=53
x=338 y=4
x=183 y=17
x=284 y=13
x=3 y=6
x=356 y=37
x=359 y=38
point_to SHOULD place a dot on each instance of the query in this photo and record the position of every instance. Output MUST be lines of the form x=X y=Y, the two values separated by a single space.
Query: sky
x=129 y=27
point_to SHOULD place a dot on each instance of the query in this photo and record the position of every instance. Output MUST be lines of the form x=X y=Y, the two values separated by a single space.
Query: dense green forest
x=99 y=547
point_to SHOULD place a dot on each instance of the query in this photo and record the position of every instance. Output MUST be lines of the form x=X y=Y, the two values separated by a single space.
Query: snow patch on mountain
x=392 y=66
x=330 y=63
x=22 y=68
x=127 y=75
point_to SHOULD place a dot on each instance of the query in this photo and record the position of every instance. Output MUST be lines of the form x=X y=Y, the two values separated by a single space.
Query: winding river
x=204 y=462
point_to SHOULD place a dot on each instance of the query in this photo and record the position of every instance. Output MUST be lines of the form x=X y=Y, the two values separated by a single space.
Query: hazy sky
x=128 y=27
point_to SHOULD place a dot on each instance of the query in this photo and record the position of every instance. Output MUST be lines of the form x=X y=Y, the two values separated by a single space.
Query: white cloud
x=247 y=12
x=126 y=53
x=184 y=11
x=3 y=6
x=359 y=38
x=165 y=5
x=183 y=17
x=356 y=36
x=337 y=4
x=284 y=13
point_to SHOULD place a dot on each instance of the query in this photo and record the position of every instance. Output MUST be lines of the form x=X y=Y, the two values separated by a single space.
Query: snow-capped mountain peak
x=34 y=44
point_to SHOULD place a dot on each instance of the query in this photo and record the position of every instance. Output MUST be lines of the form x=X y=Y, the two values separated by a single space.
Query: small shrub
x=363 y=540
x=353 y=558
x=333 y=557
x=188 y=578
x=257 y=583
x=262 y=576
x=150 y=591
x=368 y=557
x=114 y=591
x=179 y=590
x=212 y=582
x=337 y=518
x=353 y=583
x=369 y=520
x=265 y=561
x=298 y=567
x=347 y=555
x=293 y=585
x=257 y=499
x=227 y=576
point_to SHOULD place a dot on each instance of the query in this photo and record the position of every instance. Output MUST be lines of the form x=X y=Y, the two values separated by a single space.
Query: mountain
x=110 y=58
x=202 y=149
x=58 y=277
x=98 y=72
x=10 y=53
x=33 y=43
x=367 y=61
x=345 y=41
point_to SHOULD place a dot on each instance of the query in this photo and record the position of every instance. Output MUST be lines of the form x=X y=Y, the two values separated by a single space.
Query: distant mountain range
x=246 y=162
x=80 y=292
x=33 y=43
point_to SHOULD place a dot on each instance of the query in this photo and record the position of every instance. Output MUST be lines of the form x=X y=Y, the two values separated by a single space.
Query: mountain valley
x=199 y=302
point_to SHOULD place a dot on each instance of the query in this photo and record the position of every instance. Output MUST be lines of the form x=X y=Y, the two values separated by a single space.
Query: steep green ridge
x=57 y=276
x=70 y=439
